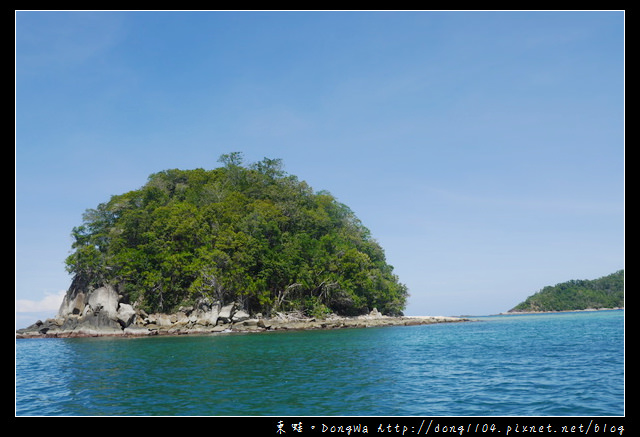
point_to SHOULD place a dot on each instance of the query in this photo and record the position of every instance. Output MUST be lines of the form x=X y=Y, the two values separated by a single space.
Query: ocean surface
x=566 y=364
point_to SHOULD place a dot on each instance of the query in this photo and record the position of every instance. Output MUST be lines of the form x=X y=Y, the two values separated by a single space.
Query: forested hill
x=605 y=292
x=248 y=234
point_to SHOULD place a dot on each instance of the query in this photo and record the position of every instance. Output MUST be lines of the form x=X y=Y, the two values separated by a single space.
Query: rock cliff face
x=105 y=312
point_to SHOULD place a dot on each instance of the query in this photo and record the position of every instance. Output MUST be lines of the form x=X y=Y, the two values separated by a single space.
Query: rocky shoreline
x=51 y=327
x=102 y=313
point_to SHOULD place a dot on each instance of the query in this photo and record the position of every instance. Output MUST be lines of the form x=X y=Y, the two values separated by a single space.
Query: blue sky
x=484 y=150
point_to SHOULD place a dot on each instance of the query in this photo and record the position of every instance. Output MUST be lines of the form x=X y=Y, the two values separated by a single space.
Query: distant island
x=575 y=295
x=239 y=247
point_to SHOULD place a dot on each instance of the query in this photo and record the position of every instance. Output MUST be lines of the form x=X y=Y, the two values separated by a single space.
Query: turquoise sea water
x=567 y=364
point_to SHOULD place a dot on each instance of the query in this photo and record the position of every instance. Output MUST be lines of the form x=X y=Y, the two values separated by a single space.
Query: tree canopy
x=605 y=292
x=252 y=234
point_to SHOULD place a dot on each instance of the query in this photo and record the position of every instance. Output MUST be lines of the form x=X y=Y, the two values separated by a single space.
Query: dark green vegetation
x=605 y=292
x=249 y=234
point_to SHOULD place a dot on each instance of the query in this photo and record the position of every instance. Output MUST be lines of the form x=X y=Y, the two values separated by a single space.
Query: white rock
x=105 y=298
x=126 y=314
x=240 y=316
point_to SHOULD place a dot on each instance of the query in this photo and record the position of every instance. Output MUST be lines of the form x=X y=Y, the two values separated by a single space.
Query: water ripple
x=569 y=364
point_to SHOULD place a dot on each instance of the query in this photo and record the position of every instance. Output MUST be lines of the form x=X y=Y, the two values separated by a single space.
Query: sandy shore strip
x=513 y=313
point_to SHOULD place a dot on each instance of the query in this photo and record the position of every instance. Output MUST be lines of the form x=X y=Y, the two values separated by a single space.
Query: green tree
x=605 y=292
x=253 y=234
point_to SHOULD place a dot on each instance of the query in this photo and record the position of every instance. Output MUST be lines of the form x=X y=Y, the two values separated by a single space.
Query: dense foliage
x=249 y=234
x=605 y=292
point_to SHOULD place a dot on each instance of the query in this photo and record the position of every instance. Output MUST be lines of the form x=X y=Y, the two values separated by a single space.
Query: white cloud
x=50 y=302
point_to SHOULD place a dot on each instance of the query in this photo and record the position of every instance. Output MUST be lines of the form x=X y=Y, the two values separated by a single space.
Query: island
x=236 y=248
x=606 y=292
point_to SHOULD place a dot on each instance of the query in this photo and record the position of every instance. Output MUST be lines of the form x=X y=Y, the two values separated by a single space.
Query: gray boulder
x=106 y=298
x=240 y=316
x=72 y=303
x=126 y=315
x=224 y=316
